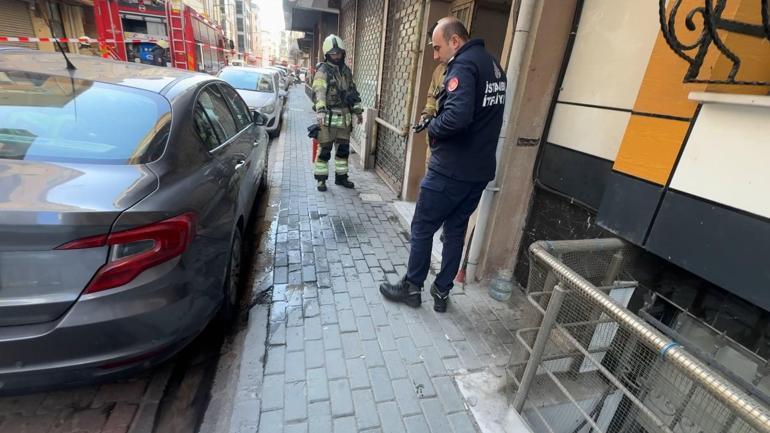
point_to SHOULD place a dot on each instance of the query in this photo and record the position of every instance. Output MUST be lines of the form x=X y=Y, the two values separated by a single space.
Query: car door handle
x=241 y=163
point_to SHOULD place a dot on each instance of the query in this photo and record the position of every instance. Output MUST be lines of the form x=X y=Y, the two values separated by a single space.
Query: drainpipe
x=515 y=65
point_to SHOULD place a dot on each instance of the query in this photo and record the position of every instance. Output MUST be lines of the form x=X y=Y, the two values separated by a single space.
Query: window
x=51 y=118
x=204 y=128
x=248 y=80
x=238 y=107
x=215 y=108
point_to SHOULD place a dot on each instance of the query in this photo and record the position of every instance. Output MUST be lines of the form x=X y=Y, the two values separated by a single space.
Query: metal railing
x=594 y=366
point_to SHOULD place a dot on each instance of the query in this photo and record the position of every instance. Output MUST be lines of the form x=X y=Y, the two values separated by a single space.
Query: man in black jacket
x=463 y=142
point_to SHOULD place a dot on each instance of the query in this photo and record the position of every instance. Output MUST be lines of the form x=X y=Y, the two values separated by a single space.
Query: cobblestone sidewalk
x=341 y=358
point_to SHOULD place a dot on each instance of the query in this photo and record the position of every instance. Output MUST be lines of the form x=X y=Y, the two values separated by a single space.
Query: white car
x=259 y=88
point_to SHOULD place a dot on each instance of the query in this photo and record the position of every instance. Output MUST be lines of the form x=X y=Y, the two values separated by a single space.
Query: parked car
x=124 y=193
x=259 y=88
x=285 y=81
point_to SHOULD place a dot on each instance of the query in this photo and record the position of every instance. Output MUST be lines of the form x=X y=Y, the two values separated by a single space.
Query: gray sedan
x=124 y=193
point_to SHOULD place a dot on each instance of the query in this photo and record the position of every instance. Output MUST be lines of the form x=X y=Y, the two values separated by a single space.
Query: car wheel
x=232 y=281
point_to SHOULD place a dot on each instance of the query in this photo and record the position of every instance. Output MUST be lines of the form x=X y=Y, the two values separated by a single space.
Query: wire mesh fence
x=595 y=367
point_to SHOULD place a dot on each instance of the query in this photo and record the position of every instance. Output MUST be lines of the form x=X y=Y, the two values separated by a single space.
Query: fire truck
x=134 y=27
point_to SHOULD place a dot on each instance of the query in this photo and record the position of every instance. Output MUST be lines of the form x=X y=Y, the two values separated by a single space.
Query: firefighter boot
x=403 y=291
x=439 y=299
x=321 y=185
x=342 y=179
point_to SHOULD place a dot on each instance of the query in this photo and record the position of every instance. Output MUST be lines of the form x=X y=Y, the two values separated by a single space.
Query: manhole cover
x=370 y=197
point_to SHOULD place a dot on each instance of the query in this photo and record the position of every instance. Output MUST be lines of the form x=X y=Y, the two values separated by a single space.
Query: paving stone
x=319 y=417
x=331 y=337
x=421 y=381
x=408 y=350
x=379 y=316
x=317 y=387
x=373 y=353
x=295 y=366
x=345 y=425
x=432 y=361
x=296 y=428
x=394 y=364
x=406 y=397
x=276 y=360
x=416 y=424
x=360 y=308
x=390 y=417
x=271 y=421
x=434 y=414
x=295 y=339
x=277 y=333
x=341 y=398
x=462 y=423
x=366 y=409
x=272 y=392
x=448 y=394
x=357 y=373
x=381 y=384
x=313 y=328
x=335 y=364
x=352 y=345
x=328 y=314
x=314 y=354
x=325 y=296
x=295 y=406
x=366 y=328
x=347 y=321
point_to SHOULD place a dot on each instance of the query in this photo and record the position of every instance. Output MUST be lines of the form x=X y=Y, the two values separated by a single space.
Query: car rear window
x=53 y=118
x=247 y=80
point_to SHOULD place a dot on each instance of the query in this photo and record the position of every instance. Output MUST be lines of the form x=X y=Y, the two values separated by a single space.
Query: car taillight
x=135 y=250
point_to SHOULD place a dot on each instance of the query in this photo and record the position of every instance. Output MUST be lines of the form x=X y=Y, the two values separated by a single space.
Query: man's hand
x=320 y=118
x=359 y=118
x=423 y=123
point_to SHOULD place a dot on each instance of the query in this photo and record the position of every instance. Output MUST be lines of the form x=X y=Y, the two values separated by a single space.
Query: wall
x=509 y=213
x=629 y=153
x=490 y=25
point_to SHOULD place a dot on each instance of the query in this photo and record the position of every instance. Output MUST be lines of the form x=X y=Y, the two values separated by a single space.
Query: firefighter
x=159 y=53
x=336 y=101
x=434 y=89
x=464 y=137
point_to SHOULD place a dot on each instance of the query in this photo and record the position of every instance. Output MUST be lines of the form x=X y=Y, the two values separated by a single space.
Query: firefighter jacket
x=436 y=85
x=465 y=132
x=335 y=92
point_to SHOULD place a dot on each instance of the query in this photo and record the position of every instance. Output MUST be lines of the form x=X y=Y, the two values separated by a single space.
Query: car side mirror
x=259 y=118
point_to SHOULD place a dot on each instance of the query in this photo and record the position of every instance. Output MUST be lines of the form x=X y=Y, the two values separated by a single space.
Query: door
x=253 y=139
x=228 y=143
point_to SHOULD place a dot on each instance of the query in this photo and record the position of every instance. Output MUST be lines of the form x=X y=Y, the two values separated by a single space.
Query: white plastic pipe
x=515 y=63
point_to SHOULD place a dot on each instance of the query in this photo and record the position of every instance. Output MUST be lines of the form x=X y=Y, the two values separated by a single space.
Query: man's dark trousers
x=446 y=201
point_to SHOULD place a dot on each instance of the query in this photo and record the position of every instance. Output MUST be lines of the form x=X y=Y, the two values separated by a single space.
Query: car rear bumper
x=109 y=333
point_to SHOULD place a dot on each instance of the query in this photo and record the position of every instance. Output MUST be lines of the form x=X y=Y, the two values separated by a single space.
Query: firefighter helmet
x=332 y=44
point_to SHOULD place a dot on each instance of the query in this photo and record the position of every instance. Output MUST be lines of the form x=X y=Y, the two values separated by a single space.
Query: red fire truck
x=135 y=26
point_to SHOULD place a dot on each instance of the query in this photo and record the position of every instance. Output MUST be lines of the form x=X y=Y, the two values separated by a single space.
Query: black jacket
x=464 y=134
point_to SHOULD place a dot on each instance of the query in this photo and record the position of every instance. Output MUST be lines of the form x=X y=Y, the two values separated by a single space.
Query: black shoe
x=439 y=300
x=321 y=185
x=342 y=180
x=403 y=291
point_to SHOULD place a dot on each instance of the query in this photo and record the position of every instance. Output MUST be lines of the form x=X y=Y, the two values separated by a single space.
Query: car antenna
x=70 y=66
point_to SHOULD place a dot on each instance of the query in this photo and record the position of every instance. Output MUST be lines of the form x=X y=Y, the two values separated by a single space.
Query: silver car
x=258 y=88
x=124 y=193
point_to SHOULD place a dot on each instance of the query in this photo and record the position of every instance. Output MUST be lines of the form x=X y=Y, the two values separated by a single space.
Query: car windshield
x=247 y=80
x=53 y=118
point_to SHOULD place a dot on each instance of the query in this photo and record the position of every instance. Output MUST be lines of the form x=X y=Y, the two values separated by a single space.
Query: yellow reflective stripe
x=320 y=105
x=321 y=167
x=319 y=82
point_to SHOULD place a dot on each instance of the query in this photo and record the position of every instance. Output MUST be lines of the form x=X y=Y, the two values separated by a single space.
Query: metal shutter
x=15 y=20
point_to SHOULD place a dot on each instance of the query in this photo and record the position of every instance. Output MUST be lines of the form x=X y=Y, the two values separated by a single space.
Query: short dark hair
x=455 y=27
